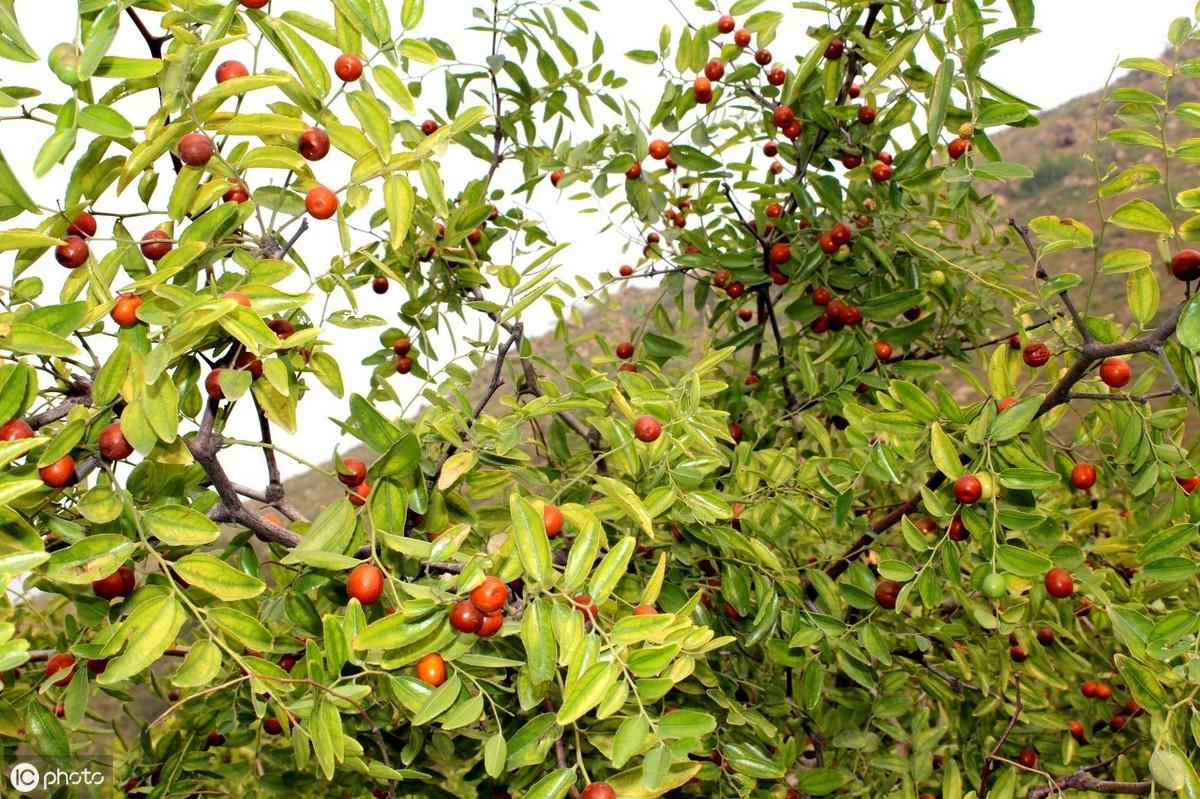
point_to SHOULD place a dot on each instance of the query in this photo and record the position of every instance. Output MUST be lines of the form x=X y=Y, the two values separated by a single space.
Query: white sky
x=1079 y=44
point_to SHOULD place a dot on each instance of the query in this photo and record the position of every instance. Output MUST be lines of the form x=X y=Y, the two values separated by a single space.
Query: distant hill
x=1064 y=184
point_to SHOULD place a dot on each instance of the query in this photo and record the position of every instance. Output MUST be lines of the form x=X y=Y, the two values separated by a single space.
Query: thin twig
x=991 y=756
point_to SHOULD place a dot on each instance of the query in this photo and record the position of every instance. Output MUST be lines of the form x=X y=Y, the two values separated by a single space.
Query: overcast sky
x=1078 y=46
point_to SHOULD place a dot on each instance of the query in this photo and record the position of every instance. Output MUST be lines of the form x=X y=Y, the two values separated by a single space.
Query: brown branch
x=78 y=392
x=1080 y=780
x=1040 y=271
x=991 y=756
x=154 y=45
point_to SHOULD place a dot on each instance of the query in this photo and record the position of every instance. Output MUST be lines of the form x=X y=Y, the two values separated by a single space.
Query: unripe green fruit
x=64 y=63
x=842 y=253
x=994 y=585
x=937 y=278
x=988 y=484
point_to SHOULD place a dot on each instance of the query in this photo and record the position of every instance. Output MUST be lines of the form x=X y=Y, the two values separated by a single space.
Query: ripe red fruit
x=465 y=617
x=774 y=210
x=156 y=244
x=59 y=662
x=645 y=610
x=968 y=489
x=927 y=526
x=783 y=116
x=714 y=70
x=835 y=49
x=72 y=253
x=59 y=474
x=109 y=587
x=1014 y=342
x=854 y=91
x=1076 y=730
x=249 y=362
x=793 y=129
x=128 y=580
x=821 y=296
x=1114 y=372
x=212 y=385
x=365 y=583
x=584 y=604
x=851 y=160
x=1006 y=403
x=624 y=350
x=883 y=350
x=776 y=167
x=348 y=67
x=16 y=429
x=357 y=472
x=492 y=622
x=404 y=365
x=957 y=531
x=1017 y=654
x=1083 y=476
x=313 y=144
x=659 y=149
x=552 y=520
x=1104 y=691
x=625 y=271
x=1118 y=722
x=762 y=56
x=726 y=24
x=827 y=244
x=429 y=127
x=112 y=443
x=735 y=432
x=702 y=90
x=866 y=115
x=781 y=253
x=1188 y=484
x=195 y=149
x=777 y=76
x=490 y=595
x=97 y=666
x=253 y=4
x=1186 y=265
x=1045 y=636
x=771 y=149
x=884 y=156
x=886 y=594
x=1027 y=758
x=881 y=172
x=735 y=289
x=1089 y=688
x=555 y=177
x=271 y=726
x=647 y=429
x=599 y=790
x=83 y=226
x=402 y=346
x=721 y=278
x=840 y=233
x=1036 y=354
x=358 y=495
x=379 y=285
x=742 y=37
x=320 y=202
x=238 y=297
x=634 y=172
x=956 y=148
x=1059 y=583
x=228 y=70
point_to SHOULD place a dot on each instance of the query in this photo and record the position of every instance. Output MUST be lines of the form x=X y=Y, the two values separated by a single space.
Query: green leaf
x=1143 y=293
x=399 y=199
x=541 y=647
x=529 y=538
x=1141 y=215
x=438 y=702
x=611 y=569
x=587 y=692
x=1143 y=685
x=218 y=578
x=243 y=627
x=1188 y=330
x=148 y=631
x=944 y=453
x=1134 y=178
x=89 y=559
x=895 y=57
x=200 y=667
x=628 y=501
x=177 y=525
x=939 y=98
x=1022 y=562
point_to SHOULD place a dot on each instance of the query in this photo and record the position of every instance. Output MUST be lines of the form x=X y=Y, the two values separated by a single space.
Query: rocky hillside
x=1064 y=184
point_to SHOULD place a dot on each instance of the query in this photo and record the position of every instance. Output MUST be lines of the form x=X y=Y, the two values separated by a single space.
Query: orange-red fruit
x=634 y=172
x=781 y=253
x=83 y=226
x=112 y=443
x=429 y=127
x=16 y=429
x=777 y=76
x=659 y=149
x=783 y=116
x=957 y=531
x=1186 y=265
x=1104 y=691
x=490 y=595
x=492 y=622
x=72 y=253
x=555 y=177
x=247 y=361
x=60 y=662
x=968 y=489
x=1059 y=583
x=1036 y=354
x=1188 y=484
x=645 y=610
x=957 y=147
x=195 y=149
x=1083 y=476
x=1027 y=758
x=109 y=587
x=702 y=90
x=365 y=583
x=253 y=4
x=726 y=24
x=881 y=172
x=357 y=472
x=552 y=519
x=584 y=604
x=320 y=202
x=348 y=67
x=742 y=37
x=228 y=70
x=1006 y=403
x=358 y=495
x=1045 y=636
x=625 y=271
x=404 y=364
x=313 y=144
x=379 y=285
x=735 y=289
x=841 y=233
x=771 y=149
x=866 y=115
x=1076 y=730
x=835 y=49
x=124 y=313
x=156 y=244
x=431 y=669
x=465 y=617
x=762 y=57
x=212 y=385
x=1114 y=372
x=624 y=350
x=402 y=346
x=647 y=429
x=59 y=474
x=714 y=70
x=883 y=350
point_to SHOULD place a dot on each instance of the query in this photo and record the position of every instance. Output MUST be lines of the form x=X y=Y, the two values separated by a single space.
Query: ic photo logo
x=25 y=777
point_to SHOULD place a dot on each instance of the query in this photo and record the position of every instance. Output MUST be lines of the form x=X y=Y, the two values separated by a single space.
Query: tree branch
x=991 y=756
x=1044 y=276
x=1080 y=780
